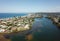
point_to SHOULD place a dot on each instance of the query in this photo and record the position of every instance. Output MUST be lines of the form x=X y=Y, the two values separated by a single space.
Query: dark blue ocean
x=6 y=15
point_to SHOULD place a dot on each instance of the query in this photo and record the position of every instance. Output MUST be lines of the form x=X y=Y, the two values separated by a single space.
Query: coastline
x=12 y=17
x=11 y=33
x=6 y=21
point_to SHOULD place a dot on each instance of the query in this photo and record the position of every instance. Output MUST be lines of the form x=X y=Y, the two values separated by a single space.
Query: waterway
x=43 y=29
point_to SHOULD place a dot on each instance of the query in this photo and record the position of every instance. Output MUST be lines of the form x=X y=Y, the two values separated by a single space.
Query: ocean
x=7 y=15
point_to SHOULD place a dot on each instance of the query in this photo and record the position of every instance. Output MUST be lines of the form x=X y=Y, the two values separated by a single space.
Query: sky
x=19 y=6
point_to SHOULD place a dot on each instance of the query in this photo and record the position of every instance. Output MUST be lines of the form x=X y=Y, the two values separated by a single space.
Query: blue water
x=43 y=29
x=6 y=15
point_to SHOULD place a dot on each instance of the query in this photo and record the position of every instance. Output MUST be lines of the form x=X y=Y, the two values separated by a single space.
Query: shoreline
x=12 y=17
x=18 y=21
x=55 y=20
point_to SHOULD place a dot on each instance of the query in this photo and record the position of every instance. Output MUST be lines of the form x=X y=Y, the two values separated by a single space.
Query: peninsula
x=15 y=24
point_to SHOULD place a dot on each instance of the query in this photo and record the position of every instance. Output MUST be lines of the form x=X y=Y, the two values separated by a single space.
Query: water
x=45 y=30
x=42 y=30
x=6 y=15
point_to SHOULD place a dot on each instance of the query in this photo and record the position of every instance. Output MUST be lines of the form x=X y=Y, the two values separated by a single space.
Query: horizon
x=28 y=6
